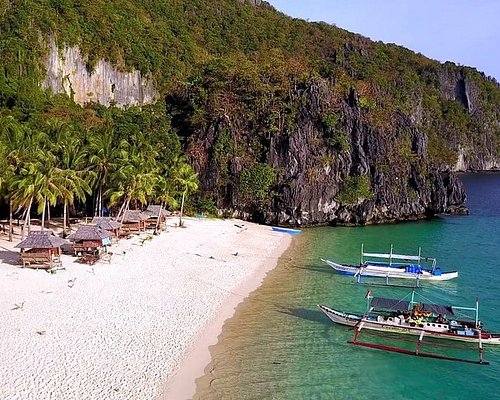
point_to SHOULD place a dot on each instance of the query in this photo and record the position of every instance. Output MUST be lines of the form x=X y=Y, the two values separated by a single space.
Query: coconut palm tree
x=187 y=180
x=104 y=158
x=75 y=176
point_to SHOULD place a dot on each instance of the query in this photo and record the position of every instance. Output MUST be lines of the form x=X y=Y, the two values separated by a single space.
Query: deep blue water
x=280 y=346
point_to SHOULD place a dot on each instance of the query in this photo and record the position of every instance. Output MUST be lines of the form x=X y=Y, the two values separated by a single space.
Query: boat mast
x=477 y=313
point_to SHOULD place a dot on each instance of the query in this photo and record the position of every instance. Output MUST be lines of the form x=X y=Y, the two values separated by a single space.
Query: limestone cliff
x=67 y=72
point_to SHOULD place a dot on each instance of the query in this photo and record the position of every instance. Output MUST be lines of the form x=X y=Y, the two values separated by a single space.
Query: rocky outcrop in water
x=67 y=72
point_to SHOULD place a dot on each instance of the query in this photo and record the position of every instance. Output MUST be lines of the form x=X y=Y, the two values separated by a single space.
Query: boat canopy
x=392 y=255
x=390 y=304
x=437 y=309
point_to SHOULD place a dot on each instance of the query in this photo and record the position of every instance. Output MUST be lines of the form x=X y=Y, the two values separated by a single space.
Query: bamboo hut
x=108 y=224
x=89 y=239
x=41 y=248
x=134 y=221
x=156 y=214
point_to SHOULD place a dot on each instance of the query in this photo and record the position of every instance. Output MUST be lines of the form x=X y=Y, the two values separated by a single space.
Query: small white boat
x=290 y=231
x=398 y=266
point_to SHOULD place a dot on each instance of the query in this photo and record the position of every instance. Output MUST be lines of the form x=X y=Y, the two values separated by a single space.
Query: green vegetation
x=50 y=162
x=256 y=181
x=234 y=78
x=355 y=189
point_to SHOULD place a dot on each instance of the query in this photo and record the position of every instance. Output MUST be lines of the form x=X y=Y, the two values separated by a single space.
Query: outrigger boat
x=427 y=320
x=399 y=266
x=290 y=231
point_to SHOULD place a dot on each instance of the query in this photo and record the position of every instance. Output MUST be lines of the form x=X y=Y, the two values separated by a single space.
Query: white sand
x=122 y=331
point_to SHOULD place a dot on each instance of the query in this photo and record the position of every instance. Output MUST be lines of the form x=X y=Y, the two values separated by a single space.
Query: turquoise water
x=280 y=346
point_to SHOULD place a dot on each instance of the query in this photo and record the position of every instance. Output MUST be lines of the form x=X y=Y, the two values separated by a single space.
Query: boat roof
x=402 y=305
x=390 y=304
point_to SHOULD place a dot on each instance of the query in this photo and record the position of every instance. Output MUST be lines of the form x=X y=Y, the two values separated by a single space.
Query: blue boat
x=290 y=231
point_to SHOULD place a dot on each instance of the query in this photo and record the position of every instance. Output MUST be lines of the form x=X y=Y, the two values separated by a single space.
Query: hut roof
x=135 y=216
x=153 y=210
x=106 y=223
x=41 y=240
x=89 y=232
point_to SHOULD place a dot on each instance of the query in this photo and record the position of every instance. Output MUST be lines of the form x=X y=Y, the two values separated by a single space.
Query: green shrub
x=354 y=189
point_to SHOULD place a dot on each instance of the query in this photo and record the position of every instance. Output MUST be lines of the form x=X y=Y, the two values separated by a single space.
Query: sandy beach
x=138 y=328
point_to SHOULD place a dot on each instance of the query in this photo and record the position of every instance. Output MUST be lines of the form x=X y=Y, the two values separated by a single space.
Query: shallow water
x=280 y=346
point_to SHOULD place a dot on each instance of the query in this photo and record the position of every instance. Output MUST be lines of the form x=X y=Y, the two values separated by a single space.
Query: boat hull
x=290 y=231
x=351 y=319
x=377 y=271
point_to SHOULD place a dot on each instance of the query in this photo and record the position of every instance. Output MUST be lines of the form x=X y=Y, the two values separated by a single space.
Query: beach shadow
x=307 y=314
x=9 y=257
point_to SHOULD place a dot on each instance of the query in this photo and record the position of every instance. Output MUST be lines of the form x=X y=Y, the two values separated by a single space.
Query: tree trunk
x=159 y=217
x=43 y=212
x=100 y=201
x=48 y=213
x=10 y=220
x=64 y=218
x=182 y=207
x=27 y=221
x=126 y=204
x=123 y=208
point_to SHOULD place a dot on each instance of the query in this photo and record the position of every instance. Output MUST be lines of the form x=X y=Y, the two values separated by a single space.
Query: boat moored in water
x=290 y=231
x=397 y=266
x=427 y=320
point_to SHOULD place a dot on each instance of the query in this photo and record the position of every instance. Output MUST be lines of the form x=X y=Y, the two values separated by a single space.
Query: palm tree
x=12 y=136
x=187 y=181
x=75 y=177
x=134 y=179
x=163 y=190
x=104 y=159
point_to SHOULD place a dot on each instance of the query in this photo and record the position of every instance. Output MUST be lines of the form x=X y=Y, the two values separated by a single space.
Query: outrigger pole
x=359 y=326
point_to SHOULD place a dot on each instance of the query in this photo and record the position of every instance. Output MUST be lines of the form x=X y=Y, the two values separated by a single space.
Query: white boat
x=398 y=266
x=423 y=320
x=290 y=231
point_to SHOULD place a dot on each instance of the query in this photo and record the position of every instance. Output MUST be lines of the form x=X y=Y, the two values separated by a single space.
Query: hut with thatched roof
x=108 y=224
x=42 y=248
x=89 y=239
x=134 y=221
x=156 y=215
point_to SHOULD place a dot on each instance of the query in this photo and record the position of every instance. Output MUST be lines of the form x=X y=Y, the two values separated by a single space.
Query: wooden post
x=419 y=343
x=10 y=219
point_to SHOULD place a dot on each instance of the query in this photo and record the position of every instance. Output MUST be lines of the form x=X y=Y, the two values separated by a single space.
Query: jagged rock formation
x=315 y=161
x=67 y=73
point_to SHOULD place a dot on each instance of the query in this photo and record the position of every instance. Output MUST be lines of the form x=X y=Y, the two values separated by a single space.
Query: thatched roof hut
x=44 y=248
x=134 y=221
x=89 y=232
x=41 y=240
x=153 y=211
x=89 y=239
x=106 y=223
x=156 y=214
x=134 y=216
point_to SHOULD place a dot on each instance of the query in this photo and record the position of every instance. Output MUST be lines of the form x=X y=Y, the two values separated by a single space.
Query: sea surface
x=280 y=346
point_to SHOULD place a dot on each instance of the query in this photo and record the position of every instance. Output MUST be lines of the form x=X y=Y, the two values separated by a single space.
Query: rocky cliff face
x=342 y=172
x=67 y=73
x=476 y=151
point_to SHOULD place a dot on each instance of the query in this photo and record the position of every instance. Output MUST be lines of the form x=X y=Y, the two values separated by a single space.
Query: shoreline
x=182 y=385
x=127 y=330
